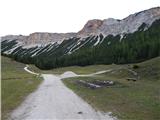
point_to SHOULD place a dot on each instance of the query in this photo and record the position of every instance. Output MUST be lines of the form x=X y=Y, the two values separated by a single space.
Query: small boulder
x=80 y=112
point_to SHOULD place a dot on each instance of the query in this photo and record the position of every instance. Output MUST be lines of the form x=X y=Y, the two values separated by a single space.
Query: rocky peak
x=90 y=27
x=127 y=25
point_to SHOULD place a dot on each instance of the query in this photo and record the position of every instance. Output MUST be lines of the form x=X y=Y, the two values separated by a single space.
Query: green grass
x=127 y=100
x=76 y=69
x=16 y=84
x=150 y=70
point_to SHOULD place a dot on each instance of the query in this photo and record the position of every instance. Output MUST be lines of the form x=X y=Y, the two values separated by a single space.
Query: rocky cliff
x=127 y=25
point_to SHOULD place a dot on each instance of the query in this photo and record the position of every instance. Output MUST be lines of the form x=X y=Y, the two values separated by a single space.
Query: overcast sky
x=28 y=16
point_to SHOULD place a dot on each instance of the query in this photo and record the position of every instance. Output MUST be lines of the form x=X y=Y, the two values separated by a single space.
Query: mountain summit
x=127 y=25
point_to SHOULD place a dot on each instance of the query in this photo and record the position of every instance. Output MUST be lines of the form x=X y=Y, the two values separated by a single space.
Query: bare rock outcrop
x=43 y=38
x=91 y=27
x=39 y=38
x=127 y=25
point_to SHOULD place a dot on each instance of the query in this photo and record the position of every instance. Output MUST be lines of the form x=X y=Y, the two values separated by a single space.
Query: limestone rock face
x=91 y=27
x=43 y=38
x=13 y=37
x=40 y=38
x=127 y=25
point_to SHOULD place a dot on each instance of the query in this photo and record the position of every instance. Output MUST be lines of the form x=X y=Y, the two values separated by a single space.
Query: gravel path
x=54 y=101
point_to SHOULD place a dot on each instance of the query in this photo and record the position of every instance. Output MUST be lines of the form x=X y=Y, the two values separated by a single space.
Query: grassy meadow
x=16 y=84
x=127 y=100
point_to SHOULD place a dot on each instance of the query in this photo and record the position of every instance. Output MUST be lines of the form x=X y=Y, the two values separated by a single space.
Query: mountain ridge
x=127 y=25
x=93 y=27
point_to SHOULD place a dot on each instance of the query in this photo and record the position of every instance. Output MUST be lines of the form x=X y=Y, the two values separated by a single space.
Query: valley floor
x=53 y=100
x=127 y=100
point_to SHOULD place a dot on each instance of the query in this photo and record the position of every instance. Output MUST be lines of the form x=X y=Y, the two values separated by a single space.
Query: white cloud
x=27 y=16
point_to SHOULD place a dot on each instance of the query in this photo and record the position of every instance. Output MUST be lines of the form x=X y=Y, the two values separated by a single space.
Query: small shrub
x=135 y=66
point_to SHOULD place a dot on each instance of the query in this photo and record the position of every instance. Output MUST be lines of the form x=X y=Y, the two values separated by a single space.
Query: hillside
x=133 y=39
x=138 y=46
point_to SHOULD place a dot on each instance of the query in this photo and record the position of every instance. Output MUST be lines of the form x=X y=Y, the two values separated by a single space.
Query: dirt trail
x=31 y=72
x=72 y=74
x=54 y=101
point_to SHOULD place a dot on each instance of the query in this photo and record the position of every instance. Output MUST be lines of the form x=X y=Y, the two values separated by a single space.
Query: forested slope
x=121 y=49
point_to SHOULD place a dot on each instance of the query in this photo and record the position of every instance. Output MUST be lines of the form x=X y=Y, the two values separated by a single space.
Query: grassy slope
x=128 y=100
x=76 y=69
x=16 y=85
